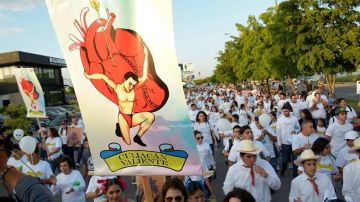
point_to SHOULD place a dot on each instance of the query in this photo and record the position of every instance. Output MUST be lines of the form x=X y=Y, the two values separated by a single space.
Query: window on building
x=48 y=73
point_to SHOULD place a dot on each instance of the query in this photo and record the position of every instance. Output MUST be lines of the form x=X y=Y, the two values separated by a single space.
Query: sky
x=201 y=28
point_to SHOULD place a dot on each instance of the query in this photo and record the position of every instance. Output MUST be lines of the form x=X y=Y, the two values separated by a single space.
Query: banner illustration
x=122 y=62
x=31 y=92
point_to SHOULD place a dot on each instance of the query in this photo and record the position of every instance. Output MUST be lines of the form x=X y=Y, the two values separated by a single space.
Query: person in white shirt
x=69 y=183
x=193 y=112
x=214 y=116
x=282 y=101
x=38 y=168
x=17 y=159
x=336 y=131
x=267 y=104
x=54 y=147
x=204 y=150
x=256 y=176
x=351 y=113
x=204 y=127
x=345 y=157
x=351 y=177
x=244 y=115
x=303 y=103
x=246 y=134
x=286 y=127
x=317 y=106
x=310 y=186
x=295 y=105
x=303 y=141
x=239 y=98
x=94 y=191
x=63 y=135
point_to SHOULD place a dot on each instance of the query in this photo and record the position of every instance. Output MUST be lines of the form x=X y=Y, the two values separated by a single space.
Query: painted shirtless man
x=125 y=92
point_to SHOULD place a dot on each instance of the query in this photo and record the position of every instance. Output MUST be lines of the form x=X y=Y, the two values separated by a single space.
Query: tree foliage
x=17 y=118
x=298 y=37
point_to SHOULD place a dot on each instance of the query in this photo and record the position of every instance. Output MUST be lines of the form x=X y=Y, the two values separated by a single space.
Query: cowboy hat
x=248 y=147
x=356 y=145
x=307 y=154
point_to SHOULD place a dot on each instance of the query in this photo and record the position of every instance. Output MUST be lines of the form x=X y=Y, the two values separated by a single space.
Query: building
x=187 y=72
x=47 y=69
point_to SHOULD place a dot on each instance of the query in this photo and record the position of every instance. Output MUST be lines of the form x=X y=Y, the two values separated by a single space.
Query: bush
x=17 y=119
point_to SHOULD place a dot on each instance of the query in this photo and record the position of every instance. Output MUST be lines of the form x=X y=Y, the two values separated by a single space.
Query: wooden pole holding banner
x=147 y=188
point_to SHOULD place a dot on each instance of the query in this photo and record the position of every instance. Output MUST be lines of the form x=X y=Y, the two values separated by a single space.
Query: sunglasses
x=176 y=198
x=200 y=138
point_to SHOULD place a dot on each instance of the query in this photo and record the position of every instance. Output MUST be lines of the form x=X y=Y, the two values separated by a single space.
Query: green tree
x=17 y=118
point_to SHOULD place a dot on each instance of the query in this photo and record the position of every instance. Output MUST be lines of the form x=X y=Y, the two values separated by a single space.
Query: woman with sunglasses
x=204 y=127
x=174 y=191
x=204 y=151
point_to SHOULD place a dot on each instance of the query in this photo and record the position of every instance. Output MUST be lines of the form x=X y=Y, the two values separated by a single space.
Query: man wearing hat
x=286 y=127
x=257 y=176
x=345 y=157
x=336 y=131
x=310 y=186
x=351 y=185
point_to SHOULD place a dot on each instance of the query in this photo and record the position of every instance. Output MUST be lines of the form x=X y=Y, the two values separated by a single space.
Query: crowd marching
x=310 y=134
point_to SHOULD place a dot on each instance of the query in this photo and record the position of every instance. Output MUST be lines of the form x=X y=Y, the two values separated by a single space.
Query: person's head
x=239 y=195
x=193 y=106
x=350 y=137
x=303 y=97
x=236 y=131
x=293 y=98
x=198 y=137
x=113 y=189
x=214 y=109
x=342 y=102
x=248 y=152
x=52 y=132
x=286 y=111
x=307 y=128
x=273 y=116
x=321 y=122
x=308 y=160
x=6 y=146
x=174 y=191
x=242 y=106
x=235 y=118
x=74 y=121
x=260 y=104
x=321 y=146
x=207 y=108
x=317 y=96
x=63 y=124
x=66 y=165
x=201 y=117
x=246 y=133
x=130 y=81
x=341 y=114
x=196 y=192
x=305 y=114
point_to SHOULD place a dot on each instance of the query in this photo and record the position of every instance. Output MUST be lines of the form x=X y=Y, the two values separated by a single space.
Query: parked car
x=53 y=112
x=69 y=108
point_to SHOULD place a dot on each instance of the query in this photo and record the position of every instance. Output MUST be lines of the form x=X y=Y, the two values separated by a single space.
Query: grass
x=349 y=78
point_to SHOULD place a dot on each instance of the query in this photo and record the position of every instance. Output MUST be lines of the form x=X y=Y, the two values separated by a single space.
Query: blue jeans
x=287 y=156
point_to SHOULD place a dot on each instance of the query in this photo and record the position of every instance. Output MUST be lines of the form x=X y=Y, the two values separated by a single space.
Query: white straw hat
x=356 y=145
x=248 y=147
x=307 y=154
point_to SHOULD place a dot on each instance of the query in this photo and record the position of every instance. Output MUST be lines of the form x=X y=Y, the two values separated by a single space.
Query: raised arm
x=102 y=77
x=146 y=66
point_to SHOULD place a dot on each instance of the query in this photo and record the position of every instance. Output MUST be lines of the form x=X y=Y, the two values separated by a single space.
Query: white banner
x=31 y=92
x=122 y=62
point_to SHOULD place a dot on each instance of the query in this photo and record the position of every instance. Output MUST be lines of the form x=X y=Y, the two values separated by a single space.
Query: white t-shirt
x=52 y=144
x=296 y=109
x=205 y=129
x=345 y=157
x=42 y=170
x=337 y=133
x=93 y=185
x=319 y=111
x=300 y=140
x=192 y=114
x=205 y=154
x=64 y=184
x=17 y=163
x=351 y=113
x=321 y=131
x=243 y=117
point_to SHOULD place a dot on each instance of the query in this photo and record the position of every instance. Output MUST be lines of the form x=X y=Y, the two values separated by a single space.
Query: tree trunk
x=290 y=82
x=330 y=80
x=267 y=86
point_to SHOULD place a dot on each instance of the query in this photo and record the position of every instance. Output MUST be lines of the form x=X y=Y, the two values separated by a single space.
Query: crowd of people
x=309 y=133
